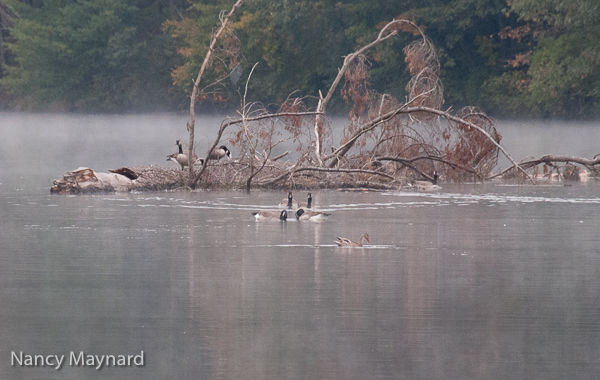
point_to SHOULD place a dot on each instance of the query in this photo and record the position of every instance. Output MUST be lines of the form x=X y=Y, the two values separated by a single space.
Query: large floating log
x=137 y=178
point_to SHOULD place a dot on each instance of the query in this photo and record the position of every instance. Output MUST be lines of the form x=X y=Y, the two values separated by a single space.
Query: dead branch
x=472 y=125
x=403 y=109
x=343 y=149
x=281 y=155
x=386 y=32
x=226 y=124
x=191 y=125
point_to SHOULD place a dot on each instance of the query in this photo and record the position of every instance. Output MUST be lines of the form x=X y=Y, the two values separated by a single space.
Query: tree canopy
x=100 y=55
x=509 y=57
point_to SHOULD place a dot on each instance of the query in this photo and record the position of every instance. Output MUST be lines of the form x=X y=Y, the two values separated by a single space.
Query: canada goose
x=427 y=185
x=270 y=215
x=343 y=242
x=308 y=203
x=289 y=203
x=126 y=172
x=219 y=153
x=313 y=216
x=182 y=158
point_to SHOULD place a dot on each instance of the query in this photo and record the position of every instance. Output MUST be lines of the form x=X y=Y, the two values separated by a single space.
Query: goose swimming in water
x=312 y=216
x=182 y=158
x=271 y=216
x=427 y=185
x=308 y=202
x=343 y=242
x=289 y=203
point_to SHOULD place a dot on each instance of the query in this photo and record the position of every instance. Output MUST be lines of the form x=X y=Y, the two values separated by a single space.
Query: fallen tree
x=385 y=144
x=410 y=139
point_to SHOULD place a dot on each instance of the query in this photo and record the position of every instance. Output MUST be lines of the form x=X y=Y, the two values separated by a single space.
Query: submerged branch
x=409 y=161
x=293 y=171
x=551 y=159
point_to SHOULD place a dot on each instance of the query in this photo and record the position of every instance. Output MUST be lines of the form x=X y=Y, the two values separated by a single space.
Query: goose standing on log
x=218 y=153
x=182 y=158
x=343 y=242
x=289 y=203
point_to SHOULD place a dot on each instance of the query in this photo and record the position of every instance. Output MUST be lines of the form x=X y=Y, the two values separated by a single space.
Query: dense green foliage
x=509 y=57
x=565 y=64
x=100 y=55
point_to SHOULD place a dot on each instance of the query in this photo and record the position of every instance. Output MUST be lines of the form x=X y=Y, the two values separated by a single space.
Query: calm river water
x=489 y=281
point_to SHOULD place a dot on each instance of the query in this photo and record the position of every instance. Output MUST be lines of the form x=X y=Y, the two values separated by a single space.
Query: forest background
x=511 y=58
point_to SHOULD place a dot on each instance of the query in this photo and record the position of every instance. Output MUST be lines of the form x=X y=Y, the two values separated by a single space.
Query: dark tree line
x=508 y=57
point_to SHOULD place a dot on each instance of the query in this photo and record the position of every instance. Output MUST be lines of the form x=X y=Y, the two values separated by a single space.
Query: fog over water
x=475 y=281
x=42 y=147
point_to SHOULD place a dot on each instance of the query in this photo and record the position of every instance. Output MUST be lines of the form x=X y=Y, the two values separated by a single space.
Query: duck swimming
x=343 y=242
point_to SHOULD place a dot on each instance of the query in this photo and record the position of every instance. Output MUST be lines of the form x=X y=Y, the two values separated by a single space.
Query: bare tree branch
x=191 y=125
x=347 y=61
x=472 y=125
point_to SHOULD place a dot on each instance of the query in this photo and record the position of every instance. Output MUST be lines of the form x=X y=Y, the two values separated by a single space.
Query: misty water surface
x=491 y=281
